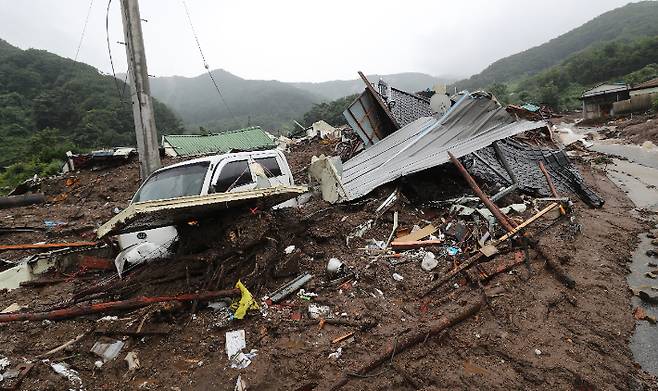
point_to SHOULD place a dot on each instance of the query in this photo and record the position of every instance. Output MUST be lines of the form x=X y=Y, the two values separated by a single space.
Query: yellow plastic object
x=246 y=302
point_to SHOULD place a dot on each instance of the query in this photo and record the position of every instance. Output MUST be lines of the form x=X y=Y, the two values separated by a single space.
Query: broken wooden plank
x=417 y=235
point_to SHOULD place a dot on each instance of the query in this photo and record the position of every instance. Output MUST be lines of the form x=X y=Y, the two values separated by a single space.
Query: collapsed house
x=476 y=127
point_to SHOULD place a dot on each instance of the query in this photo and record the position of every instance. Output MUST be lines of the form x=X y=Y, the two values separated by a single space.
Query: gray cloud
x=302 y=40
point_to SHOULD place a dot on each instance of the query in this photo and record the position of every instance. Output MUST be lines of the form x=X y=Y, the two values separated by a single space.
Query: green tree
x=499 y=90
x=550 y=95
x=331 y=112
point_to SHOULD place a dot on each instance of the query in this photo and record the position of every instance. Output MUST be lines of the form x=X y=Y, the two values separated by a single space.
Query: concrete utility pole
x=147 y=135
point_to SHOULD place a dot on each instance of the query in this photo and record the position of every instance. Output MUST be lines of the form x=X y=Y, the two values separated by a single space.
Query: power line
x=84 y=29
x=120 y=91
x=205 y=63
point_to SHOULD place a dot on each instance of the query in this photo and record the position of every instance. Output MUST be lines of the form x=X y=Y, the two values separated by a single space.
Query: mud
x=582 y=334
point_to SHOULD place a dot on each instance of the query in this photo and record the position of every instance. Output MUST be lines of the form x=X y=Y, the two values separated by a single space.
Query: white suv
x=232 y=172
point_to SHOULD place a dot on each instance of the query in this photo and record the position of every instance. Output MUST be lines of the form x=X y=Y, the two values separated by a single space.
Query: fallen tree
x=396 y=347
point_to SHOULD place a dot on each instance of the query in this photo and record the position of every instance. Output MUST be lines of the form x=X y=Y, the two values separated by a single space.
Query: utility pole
x=147 y=135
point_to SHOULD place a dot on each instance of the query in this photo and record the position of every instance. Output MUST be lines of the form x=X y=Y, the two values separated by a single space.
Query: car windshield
x=173 y=182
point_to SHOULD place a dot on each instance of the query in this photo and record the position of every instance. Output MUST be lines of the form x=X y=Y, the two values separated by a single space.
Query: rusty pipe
x=483 y=197
x=138 y=302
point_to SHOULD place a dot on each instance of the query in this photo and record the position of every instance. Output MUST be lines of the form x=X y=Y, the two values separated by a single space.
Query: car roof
x=214 y=159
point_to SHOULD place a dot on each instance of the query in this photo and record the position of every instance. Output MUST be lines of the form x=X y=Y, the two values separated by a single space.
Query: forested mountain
x=49 y=104
x=410 y=81
x=559 y=86
x=635 y=20
x=267 y=103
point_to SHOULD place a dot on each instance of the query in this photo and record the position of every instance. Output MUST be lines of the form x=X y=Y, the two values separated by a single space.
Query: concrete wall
x=635 y=103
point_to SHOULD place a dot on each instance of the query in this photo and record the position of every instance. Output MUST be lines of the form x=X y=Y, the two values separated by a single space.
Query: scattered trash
x=240 y=385
x=13 y=307
x=132 y=360
x=65 y=370
x=453 y=250
x=537 y=352
x=289 y=288
x=336 y=355
x=52 y=224
x=246 y=302
x=397 y=277
x=289 y=249
x=107 y=350
x=304 y=295
x=335 y=266
x=316 y=311
x=4 y=363
x=342 y=337
x=429 y=261
x=235 y=343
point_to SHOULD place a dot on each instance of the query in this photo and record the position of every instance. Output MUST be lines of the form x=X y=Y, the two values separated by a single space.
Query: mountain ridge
x=627 y=22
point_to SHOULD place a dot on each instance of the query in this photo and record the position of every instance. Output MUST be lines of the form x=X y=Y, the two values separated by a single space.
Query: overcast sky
x=302 y=40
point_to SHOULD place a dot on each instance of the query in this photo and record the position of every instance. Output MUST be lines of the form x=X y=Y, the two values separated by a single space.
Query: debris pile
x=453 y=255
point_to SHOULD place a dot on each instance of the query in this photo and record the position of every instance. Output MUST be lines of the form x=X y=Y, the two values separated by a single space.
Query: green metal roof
x=247 y=139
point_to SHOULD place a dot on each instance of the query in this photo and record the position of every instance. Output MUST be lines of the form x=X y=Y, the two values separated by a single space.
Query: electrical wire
x=205 y=63
x=120 y=91
x=84 y=30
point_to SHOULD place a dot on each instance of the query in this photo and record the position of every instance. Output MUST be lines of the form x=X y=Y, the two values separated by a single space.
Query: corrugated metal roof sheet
x=248 y=139
x=471 y=124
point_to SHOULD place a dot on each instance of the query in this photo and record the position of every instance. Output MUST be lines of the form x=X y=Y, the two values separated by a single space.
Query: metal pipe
x=483 y=197
x=503 y=159
x=548 y=179
x=138 y=302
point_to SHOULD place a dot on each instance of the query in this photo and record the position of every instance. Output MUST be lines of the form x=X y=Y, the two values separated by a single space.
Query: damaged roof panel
x=368 y=119
x=472 y=123
x=524 y=161
x=408 y=107
x=161 y=213
x=248 y=139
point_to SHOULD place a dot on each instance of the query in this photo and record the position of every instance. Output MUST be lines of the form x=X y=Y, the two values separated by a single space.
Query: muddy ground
x=532 y=333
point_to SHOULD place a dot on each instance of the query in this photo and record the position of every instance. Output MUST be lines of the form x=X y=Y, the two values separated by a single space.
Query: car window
x=233 y=174
x=173 y=182
x=270 y=165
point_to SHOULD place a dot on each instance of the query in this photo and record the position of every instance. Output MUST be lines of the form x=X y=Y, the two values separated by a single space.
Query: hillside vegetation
x=410 y=81
x=618 y=61
x=267 y=103
x=50 y=104
x=635 y=20
x=560 y=86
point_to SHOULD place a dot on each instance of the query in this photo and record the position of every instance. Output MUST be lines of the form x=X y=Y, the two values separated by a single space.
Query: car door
x=273 y=169
x=233 y=176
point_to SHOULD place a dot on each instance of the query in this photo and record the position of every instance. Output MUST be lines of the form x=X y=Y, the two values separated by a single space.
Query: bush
x=655 y=104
